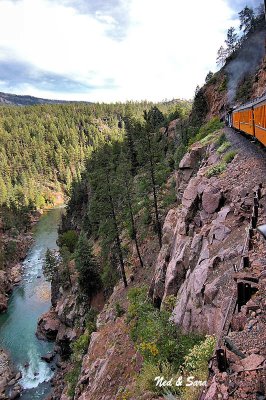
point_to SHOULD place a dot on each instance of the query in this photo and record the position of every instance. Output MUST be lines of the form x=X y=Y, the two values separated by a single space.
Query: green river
x=27 y=302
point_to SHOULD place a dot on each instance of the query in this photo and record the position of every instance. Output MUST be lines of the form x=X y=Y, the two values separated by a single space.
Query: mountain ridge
x=27 y=100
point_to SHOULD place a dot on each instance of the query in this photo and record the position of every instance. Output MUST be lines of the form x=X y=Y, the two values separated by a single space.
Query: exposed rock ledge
x=202 y=239
x=8 y=378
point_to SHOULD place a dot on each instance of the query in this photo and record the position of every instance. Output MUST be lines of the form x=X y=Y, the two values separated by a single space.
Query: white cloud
x=169 y=47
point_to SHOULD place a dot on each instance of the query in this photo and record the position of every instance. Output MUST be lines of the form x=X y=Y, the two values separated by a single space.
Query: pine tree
x=208 y=76
x=221 y=56
x=247 y=20
x=231 y=41
x=87 y=267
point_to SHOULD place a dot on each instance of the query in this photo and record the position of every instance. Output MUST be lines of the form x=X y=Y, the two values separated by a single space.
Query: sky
x=111 y=50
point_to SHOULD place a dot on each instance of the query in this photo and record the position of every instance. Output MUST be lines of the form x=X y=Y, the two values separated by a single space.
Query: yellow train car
x=260 y=120
x=250 y=118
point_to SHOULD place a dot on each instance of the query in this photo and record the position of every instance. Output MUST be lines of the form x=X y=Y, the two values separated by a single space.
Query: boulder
x=252 y=362
x=218 y=232
x=48 y=326
x=6 y=371
x=48 y=357
x=15 y=394
x=192 y=159
x=5 y=286
x=15 y=274
x=211 y=290
x=212 y=391
x=211 y=199
x=190 y=196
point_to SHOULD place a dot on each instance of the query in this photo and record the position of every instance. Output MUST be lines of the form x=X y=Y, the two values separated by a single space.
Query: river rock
x=15 y=274
x=15 y=394
x=18 y=376
x=3 y=302
x=6 y=371
x=48 y=357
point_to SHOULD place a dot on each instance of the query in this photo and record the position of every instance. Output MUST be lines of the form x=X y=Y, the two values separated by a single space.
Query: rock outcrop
x=203 y=239
x=11 y=272
x=9 y=379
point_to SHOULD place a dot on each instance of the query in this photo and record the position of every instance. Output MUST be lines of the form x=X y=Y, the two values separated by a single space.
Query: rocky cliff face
x=204 y=237
x=10 y=275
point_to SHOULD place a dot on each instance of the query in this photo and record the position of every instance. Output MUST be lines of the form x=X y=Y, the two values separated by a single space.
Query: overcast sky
x=111 y=50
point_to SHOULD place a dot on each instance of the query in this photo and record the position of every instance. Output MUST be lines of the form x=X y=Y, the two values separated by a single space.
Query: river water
x=27 y=302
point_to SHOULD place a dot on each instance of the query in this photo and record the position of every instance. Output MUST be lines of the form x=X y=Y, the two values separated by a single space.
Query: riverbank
x=14 y=246
x=28 y=300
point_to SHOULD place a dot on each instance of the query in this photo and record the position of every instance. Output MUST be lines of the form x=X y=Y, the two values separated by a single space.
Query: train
x=250 y=118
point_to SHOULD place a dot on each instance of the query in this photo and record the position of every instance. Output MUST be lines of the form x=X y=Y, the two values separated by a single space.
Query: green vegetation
x=124 y=190
x=250 y=20
x=216 y=169
x=68 y=239
x=223 y=147
x=89 y=274
x=56 y=140
x=228 y=157
x=119 y=310
x=244 y=89
x=207 y=129
x=78 y=349
x=220 y=139
x=166 y=351
x=223 y=85
x=221 y=166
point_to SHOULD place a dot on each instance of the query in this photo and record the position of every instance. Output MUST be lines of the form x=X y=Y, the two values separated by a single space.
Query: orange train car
x=250 y=118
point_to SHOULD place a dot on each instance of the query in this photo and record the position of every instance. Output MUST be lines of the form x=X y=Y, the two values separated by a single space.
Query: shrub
x=10 y=249
x=72 y=378
x=169 y=303
x=199 y=355
x=119 y=310
x=221 y=139
x=223 y=147
x=169 y=198
x=79 y=348
x=207 y=139
x=68 y=239
x=228 y=157
x=196 y=364
x=210 y=127
x=146 y=380
x=166 y=351
x=158 y=339
x=215 y=170
x=39 y=201
x=223 y=85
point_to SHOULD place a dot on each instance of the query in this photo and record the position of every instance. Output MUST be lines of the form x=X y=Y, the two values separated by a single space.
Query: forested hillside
x=42 y=148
